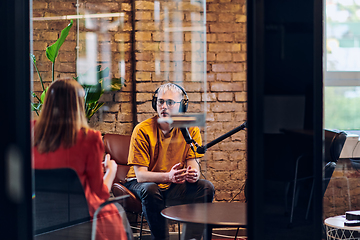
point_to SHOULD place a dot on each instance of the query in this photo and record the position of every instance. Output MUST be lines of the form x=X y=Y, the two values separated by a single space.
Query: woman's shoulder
x=90 y=135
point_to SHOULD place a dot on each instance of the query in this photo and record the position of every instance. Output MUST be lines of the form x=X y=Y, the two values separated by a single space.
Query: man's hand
x=177 y=175
x=192 y=175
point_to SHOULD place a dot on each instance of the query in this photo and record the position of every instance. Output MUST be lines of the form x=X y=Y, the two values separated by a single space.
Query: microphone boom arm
x=202 y=149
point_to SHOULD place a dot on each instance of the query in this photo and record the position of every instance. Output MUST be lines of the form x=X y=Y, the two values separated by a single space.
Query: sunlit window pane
x=342 y=108
x=343 y=35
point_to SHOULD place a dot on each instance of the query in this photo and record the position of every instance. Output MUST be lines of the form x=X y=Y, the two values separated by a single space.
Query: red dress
x=85 y=157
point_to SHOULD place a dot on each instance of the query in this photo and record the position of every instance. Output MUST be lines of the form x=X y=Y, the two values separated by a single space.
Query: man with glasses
x=164 y=170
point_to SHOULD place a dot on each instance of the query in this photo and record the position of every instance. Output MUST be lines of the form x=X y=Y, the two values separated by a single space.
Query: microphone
x=187 y=137
x=202 y=149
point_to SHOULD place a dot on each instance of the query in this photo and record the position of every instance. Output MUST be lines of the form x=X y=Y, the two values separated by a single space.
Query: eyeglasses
x=169 y=102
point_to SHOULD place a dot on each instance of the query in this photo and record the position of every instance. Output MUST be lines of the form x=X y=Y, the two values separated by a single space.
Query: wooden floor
x=83 y=232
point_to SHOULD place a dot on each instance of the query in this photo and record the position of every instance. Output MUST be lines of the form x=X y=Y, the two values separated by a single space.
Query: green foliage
x=53 y=51
x=341 y=108
x=93 y=92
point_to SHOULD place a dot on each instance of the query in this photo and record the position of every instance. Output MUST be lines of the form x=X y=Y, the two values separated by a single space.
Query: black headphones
x=183 y=104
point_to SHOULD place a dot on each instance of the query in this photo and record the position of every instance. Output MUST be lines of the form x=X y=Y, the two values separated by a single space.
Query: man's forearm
x=193 y=163
x=147 y=176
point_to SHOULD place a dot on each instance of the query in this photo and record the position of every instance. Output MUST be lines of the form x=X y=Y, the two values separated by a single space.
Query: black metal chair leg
x=237 y=231
x=294 y=192
x=287 y=188
x=141 y=224
x=309 y=203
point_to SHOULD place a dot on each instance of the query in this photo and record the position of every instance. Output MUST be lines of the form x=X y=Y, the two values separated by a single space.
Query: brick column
x=226 y=55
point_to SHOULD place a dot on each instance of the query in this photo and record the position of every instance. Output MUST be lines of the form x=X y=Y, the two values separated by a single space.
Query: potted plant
x=92 y=92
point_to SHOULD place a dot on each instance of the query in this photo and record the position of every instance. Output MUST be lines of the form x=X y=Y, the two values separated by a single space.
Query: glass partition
x=120 y=53
x=341 y=112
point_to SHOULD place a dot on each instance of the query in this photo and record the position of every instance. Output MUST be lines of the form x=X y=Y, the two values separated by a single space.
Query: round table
x=335 y=229
x=220 y=214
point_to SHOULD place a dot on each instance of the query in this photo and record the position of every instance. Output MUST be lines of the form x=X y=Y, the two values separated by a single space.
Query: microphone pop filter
x=184 y=120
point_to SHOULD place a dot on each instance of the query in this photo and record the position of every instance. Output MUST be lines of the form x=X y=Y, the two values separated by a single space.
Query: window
x=342 y=64
x=341 y=101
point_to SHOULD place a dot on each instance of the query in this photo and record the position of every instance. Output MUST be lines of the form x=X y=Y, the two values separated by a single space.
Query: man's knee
x=209 y=189
x=150 y=190
x=206 y=184
x=206 y=190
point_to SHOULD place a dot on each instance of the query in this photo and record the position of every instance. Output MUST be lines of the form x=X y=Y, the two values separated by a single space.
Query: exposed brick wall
x=342 y=193
x=225 y=163
x=114 y=45
x=162 y=56
x=226 y=79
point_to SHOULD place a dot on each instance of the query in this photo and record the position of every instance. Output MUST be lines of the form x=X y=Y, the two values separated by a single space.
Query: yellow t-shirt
x=149 y=147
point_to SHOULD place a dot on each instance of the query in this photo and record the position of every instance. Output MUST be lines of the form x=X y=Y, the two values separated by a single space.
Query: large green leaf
x=114 y=84
x=83 y=78
x=53 y=50
x=42 y=98
x=103 y=73
x=92 y=108
x=93 y=93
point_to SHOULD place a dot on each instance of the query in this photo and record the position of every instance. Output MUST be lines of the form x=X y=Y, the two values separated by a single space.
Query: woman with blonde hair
x=63 y=139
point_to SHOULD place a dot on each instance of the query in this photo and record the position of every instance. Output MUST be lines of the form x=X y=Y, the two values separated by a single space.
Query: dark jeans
x=154 y=200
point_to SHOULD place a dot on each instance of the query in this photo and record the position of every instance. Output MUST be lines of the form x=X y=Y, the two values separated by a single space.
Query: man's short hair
x=174 y=88
x=170 y=87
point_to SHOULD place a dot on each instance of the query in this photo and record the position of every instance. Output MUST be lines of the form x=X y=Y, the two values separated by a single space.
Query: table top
x=215 y=214
x=338 y=222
